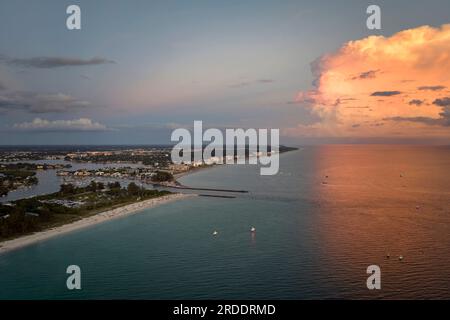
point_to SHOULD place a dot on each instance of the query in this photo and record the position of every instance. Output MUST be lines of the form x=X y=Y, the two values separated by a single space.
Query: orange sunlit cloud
x=396 y=86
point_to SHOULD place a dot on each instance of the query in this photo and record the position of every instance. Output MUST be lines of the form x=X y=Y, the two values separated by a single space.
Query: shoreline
x=195 y=170
x=109 y=215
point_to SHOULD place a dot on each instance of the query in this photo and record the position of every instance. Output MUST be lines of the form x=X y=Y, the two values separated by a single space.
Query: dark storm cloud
x=443 y=102
x=39 y=103
x=54 y=62
x=432 y=88
x=415 y=102
x=366 y=75
x=385 y=93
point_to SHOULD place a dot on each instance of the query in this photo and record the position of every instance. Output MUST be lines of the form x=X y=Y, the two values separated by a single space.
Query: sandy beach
x=117 y=213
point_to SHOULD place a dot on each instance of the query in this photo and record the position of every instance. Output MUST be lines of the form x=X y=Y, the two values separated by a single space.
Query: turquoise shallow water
x=315 y=236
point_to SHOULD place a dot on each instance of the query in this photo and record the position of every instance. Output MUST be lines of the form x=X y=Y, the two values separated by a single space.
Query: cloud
x=366 y=75
x=42 y=125
x=415 y=102
x=385 y=93
x=444 y=102
x=444 y=120
x=153 y=126
x=432 y=88
x=248 y=83
x=347 y=83
x=40 y=103
x=55 y=62
x=239 y=85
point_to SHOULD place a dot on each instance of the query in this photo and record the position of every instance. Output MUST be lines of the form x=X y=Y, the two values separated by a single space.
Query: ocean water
x=330 y=213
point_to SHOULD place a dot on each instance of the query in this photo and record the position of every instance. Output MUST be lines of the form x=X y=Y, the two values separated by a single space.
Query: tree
x=161 y=176
x=133 y=189
x=92 y=186
x=114 y=185
x=3 y=191
x=67 y=189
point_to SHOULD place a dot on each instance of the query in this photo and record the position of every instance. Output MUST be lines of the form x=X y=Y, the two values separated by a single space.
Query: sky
x=139 y=69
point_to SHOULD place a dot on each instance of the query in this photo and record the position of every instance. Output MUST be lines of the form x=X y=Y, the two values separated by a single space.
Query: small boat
x=215 y=233
x=388 y=255
x=400 y=258
x=253 y=229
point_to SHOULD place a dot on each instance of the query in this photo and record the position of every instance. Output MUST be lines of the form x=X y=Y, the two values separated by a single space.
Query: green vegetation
x=162 y=176
x=3 y=191
x=158 y=159
x=14 y=177
x=69 y=204
x=33 y=166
